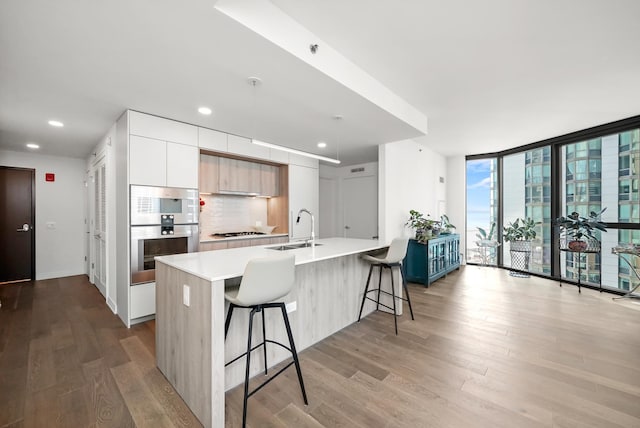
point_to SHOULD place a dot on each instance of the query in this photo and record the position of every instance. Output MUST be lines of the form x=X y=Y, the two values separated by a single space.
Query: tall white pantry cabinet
x=150 y=151
x=155 y=151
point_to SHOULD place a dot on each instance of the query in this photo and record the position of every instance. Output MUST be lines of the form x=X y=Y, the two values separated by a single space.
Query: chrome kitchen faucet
x=313 y=234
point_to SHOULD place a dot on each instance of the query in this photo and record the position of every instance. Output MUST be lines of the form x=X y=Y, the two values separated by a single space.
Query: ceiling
x=488 y=75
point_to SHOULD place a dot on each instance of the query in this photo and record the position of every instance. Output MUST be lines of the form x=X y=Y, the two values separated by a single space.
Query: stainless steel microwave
x=149 y=204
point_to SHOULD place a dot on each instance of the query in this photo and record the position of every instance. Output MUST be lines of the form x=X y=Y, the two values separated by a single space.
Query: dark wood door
x=17 y=215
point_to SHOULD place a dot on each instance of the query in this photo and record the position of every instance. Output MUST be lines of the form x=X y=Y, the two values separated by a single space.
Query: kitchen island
x=190 y=314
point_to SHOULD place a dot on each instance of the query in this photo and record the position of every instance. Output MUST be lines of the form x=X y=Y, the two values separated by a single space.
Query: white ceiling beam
x=265 y=19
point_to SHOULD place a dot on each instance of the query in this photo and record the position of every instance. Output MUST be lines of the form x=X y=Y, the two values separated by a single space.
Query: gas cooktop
x=232 y=234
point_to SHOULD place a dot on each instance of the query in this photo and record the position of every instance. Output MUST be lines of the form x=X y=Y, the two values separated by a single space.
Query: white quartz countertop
x=230 y=263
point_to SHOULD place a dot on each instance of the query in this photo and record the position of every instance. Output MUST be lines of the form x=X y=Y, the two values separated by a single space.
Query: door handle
x=25 y=228
x=347 y=227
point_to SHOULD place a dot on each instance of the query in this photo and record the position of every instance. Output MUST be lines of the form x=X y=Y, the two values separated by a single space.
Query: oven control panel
x=166 y=224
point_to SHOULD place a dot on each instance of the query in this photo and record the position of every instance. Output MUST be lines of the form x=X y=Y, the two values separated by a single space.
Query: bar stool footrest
x=270 y=379
x=256 y=347
x=385 y=292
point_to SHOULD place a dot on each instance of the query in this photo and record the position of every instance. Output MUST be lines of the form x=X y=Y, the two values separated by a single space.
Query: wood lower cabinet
x=210 y=246
x=428 y=262
x=238 y=243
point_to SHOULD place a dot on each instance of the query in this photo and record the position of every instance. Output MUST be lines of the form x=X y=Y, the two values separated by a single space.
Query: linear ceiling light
x=294 y=151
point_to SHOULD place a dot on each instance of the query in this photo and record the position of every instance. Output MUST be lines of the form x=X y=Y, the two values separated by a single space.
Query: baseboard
x=142 y=319
x=59 y=274
x=112 y=305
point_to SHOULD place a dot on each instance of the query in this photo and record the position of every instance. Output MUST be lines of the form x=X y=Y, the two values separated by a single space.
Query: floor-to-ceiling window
x=581 y=172
x=526 y=189
x=482 y=205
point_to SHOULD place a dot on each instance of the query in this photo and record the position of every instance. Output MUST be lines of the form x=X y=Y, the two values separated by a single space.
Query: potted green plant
x=425 y=227
x=519 y=234
x=487 y=244
x=445 y=225
x=485 y=236
x=578 y=230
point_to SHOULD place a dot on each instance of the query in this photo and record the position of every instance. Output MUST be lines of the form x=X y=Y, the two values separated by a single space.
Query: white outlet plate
x=186 y=295
x=291 y=307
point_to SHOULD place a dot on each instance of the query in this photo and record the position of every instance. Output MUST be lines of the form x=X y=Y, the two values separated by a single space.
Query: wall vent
x=354 y=170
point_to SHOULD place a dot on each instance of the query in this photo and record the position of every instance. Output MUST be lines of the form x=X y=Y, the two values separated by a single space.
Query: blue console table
x=432 y=260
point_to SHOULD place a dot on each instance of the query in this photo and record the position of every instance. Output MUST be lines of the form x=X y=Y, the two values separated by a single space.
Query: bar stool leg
x=264 y=343
x=246 y=375
x=379 y=285
x=366 y=289
x=406 y=291
x=393 y=296
x=228 y=320
x=293 y=351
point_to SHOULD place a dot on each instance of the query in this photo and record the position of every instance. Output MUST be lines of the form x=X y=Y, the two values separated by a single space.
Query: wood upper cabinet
x=239 y=176
x=209 y=174
x=269 y=180
x=220 y=175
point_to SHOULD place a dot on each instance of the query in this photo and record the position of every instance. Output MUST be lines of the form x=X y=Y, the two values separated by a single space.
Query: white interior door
x=98 y=225
x=360 y=196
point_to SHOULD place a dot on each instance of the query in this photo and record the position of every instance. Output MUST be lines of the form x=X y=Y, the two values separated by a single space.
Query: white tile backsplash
x=222 y=213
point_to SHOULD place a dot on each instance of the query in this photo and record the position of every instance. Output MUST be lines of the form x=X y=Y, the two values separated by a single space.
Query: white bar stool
x=394 y=257
x=264 y=280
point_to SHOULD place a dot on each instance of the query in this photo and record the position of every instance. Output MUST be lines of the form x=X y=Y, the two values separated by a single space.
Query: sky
x=478 y=195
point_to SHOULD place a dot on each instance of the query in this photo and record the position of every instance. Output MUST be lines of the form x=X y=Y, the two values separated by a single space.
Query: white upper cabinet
x=279 y=156
x=147 y=161
x=303 y=161
x=161 y=163
x=244 y=146
x=212 y=140
x=146 y=125
x=182 y=166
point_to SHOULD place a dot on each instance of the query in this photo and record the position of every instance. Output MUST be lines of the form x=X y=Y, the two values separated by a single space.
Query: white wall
x=409 y=178
x=59 y=251
x=456 y=187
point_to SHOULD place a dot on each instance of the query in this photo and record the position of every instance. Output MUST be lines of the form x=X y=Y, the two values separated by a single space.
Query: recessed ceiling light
x=204 y=110
x=33 y=146
x=322 y=144
x=56 y=123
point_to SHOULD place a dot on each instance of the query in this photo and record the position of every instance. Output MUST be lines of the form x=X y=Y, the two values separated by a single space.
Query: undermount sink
x=293 y=246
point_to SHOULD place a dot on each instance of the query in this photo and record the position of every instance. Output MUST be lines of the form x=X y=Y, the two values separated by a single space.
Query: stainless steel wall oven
x=164 y=221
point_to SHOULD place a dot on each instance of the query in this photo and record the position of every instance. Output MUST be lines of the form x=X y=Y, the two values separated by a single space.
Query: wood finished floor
x=485 y=350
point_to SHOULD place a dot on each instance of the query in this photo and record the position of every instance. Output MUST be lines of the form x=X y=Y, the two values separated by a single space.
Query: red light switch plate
x=49 y=176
